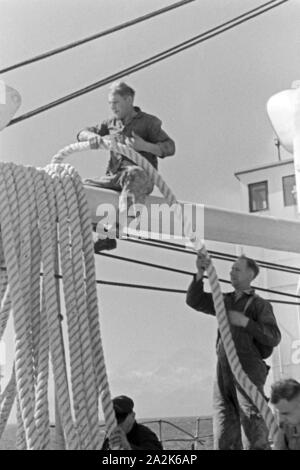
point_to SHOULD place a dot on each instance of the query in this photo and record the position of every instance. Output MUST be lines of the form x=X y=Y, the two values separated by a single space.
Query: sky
x=212 y=101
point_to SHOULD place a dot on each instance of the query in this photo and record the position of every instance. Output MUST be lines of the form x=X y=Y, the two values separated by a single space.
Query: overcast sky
x=211 y=99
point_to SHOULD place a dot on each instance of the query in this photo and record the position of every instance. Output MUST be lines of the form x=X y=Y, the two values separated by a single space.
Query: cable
x=106 y=32
x=214 y=254
x=152 y=60
x=179 y=271
x=166 y=289
x=145 y=263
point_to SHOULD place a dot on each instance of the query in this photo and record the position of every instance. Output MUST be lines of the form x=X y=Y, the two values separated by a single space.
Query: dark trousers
x=132 y=182
x=237 y=423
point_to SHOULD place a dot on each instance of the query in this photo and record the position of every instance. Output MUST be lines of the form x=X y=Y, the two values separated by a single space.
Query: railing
x=197 y=441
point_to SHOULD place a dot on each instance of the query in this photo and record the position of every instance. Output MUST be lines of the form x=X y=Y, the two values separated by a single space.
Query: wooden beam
x=221 y=225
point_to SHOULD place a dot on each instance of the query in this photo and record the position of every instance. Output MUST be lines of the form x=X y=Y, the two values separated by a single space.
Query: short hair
x=122 y=89
x=251 y=264
x=286 y=389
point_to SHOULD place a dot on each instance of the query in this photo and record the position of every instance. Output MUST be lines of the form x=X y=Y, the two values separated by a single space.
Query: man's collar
x=238 y=294
x=119 y=123
x=136 y=114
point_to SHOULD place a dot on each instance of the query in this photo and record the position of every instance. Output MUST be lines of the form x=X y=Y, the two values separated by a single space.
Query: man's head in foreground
x=125 y=415
x=285 y=395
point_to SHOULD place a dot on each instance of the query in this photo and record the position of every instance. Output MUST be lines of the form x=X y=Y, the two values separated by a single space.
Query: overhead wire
x=214 y=254
x=213 y=32
x=180 y=271
x=169 y=246
x=166 y=289
x=93 y=37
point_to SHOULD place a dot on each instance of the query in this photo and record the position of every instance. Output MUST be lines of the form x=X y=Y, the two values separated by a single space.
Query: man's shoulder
x=148 y=117
x=260 y=301
x=142 y=428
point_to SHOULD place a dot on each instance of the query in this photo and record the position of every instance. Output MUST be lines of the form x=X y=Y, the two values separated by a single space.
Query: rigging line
x=166 y=289
x=175 y=247
x=231 y=257
x=282 y=302
x=179 y=271
x=263 y=264
x=143 y=64
x=145 y=263
x=179 y=291
x=214 y=254
x=106 y=32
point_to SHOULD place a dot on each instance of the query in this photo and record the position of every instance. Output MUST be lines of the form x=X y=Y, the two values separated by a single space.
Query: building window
x=258 y=196
x=289 y=190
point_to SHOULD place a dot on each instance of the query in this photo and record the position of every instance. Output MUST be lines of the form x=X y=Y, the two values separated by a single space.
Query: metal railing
x=197 y=441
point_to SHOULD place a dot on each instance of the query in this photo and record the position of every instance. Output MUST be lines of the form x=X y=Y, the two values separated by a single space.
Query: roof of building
x=264 y=167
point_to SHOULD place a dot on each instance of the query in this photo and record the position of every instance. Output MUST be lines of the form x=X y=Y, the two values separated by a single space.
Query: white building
x=269 y=190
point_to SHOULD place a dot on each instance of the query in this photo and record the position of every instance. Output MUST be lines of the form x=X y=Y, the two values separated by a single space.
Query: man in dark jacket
x=255 y=333
x=134 y=436
x=143 y=132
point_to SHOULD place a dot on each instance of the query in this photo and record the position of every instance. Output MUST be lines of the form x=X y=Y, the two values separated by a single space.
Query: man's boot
x=104 y=244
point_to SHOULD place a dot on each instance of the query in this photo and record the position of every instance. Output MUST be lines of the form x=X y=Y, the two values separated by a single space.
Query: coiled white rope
x=94 y=325
x=8 y=203
x=241 y=377
x=32 y=203
x=7 y=400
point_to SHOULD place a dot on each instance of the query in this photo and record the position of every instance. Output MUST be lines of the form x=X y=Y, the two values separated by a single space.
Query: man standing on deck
x=255 y=333
x=143 y=132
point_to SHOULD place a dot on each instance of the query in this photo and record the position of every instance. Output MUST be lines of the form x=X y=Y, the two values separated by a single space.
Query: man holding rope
x=255 y=334
x=143 y=132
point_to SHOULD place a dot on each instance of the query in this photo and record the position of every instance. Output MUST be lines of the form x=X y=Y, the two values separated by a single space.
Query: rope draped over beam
x=38 y=206
x=224 y=328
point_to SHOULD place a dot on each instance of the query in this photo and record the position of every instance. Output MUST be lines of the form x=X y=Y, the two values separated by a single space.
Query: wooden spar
x=220 y=225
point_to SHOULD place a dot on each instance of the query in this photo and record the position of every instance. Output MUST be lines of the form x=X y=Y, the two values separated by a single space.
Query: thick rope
x=91 y=290
x=7 y=400
x=57 y=352
x=224 y=328
x=72 y=312
x=40 y=336
x=32 y=202
x=22 y=363
x=89 y=381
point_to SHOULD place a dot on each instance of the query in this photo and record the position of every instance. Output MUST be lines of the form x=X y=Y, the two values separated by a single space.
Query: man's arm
x=160 y=140
x=264 y=327
x=196 y=297
x=89 y=132
x=157 y=142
